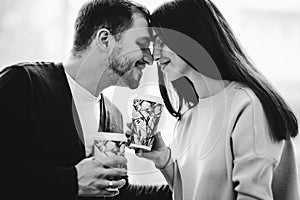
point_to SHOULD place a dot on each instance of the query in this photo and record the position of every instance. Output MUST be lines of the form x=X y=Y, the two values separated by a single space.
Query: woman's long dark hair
x=203 y=22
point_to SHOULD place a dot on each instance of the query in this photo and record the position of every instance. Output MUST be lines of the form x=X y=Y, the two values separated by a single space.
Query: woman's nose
x=147 y=57
x=156 y=53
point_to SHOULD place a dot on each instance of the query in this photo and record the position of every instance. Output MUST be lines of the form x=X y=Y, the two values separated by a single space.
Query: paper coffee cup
x=146 y=112
x=109 y=144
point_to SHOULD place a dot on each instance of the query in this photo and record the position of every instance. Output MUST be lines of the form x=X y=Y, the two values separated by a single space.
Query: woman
x=233 y=136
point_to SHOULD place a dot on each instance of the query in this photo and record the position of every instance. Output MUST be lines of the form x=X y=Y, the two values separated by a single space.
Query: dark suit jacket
x=41 y=137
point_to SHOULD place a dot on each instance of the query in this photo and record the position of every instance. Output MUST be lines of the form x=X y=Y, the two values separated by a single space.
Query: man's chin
x=131 y=85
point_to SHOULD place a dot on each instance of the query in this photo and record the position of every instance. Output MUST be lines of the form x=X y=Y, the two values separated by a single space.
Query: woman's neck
x=205 y=86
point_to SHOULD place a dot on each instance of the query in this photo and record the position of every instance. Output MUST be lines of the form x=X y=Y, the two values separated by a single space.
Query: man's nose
x=156 y=54
x=147 y=57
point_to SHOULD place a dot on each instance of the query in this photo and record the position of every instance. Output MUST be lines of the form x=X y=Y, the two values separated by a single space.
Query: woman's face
x=169 y=62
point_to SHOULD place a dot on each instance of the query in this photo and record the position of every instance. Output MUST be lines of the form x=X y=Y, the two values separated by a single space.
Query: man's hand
x=99 y=178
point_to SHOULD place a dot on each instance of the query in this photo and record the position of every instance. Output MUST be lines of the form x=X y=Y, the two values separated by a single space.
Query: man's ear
x=104 y=39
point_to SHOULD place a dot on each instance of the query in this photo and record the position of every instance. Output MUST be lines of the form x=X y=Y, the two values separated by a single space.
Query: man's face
x=131 y=54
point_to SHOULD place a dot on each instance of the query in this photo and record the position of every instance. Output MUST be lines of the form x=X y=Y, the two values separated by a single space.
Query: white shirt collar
x=77 y=89
x=88 y=109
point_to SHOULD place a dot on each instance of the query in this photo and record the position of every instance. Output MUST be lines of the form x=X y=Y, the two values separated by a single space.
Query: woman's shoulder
x=241 y=96
x=250 y=123
x=244 y=102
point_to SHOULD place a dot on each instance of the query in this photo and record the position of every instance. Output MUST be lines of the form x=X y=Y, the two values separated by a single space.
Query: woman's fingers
x=128 y=133
x=158 y=142
x=139 y=152
x=129 y=124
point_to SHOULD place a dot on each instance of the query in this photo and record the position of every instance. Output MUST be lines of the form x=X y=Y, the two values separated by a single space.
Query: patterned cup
x=146 y=113
x=109 y=144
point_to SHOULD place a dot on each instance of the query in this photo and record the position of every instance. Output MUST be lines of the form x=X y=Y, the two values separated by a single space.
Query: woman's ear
x=104 y=39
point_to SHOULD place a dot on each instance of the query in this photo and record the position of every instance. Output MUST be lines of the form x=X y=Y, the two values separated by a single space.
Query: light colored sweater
x=224 y=152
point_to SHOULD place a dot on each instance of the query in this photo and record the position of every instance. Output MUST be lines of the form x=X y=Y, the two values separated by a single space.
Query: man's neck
x=86 y=73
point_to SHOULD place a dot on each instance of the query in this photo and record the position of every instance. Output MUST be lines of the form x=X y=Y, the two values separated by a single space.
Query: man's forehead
x=139 y=21
x=146 y=31
x=139 y=24
x=139 y=33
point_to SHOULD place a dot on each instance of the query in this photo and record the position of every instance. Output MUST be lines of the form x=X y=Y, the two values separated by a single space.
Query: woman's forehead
x=154 y=35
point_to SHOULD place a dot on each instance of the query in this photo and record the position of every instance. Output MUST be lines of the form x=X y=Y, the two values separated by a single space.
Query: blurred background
x=269 y=30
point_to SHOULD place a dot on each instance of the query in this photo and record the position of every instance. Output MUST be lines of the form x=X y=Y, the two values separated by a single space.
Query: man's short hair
x=114 y=15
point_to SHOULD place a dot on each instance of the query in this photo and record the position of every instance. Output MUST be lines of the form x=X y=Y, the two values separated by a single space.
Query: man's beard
x=123 y=67
x=117 y=65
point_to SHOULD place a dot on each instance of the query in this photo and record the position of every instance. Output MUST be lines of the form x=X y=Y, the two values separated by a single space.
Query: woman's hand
x=159 y=153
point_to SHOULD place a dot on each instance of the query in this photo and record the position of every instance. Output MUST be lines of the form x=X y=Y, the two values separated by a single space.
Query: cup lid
x=110 y=136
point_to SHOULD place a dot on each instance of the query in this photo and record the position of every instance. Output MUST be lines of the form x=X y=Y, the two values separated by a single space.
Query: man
x=45 y=121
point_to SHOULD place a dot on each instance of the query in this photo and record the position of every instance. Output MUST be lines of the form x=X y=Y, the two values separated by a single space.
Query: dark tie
x=103 y=117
